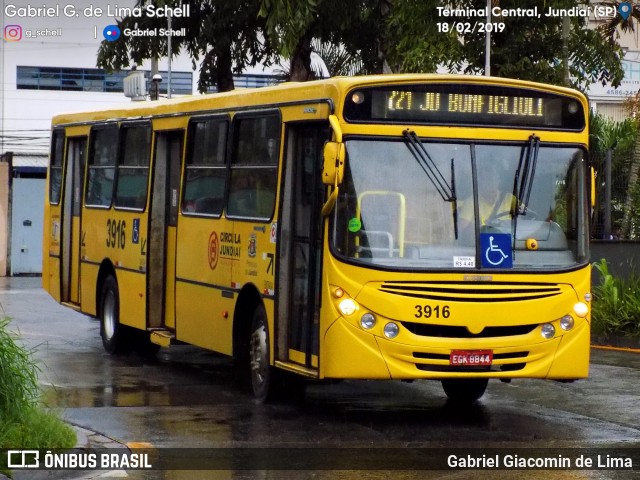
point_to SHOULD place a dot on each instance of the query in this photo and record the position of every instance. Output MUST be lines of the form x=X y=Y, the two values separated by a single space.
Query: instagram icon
x=12 y=33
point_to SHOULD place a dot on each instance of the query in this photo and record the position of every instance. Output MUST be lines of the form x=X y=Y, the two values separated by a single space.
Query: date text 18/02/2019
x=470 y=27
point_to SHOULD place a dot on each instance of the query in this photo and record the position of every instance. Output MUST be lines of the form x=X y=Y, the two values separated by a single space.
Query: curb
x=614 y=342
x=89 y=440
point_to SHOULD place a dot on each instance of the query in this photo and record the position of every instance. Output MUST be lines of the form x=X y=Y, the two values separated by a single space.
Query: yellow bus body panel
x=105 y=242
x=413 y=356
x=88 y=286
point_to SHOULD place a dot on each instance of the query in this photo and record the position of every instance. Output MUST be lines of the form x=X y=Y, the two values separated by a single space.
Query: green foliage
x=18 y=376
x=616 y=304
x=23 y=423
x=292 y=25
x=411 y=40
x=287 y=21
x=337 y=59
x=387 y=35
x=606 y=134
x=619 y=137
x=37 y=428
x=532 y=48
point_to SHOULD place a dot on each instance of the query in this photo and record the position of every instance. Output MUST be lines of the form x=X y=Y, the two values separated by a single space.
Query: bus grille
x=499 y=366
x=450 y=331
x=513 y=367
x=472 y=292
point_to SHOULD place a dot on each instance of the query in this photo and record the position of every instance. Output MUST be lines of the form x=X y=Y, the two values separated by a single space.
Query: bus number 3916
x=426 y=311
x=116 y=237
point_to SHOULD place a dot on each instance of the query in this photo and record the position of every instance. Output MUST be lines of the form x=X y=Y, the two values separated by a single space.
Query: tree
x=292 y=26
x=412 y=40
x=527 y=48
x=386 y=35
x=226 y=35
x=337 y=59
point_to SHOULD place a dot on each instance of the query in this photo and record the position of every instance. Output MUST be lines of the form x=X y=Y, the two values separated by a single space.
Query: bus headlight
x=581 y=309
x=391 y=330
x=548 y=331
x=367 y=321
x=347 y=307
x=566 y=323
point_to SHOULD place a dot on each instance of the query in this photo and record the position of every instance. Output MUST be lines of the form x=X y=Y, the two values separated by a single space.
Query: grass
x=24 y=422
x=616 y=304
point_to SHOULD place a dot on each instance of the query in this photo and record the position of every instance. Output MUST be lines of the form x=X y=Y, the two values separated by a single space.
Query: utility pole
x=487 y=42
x=169 y=54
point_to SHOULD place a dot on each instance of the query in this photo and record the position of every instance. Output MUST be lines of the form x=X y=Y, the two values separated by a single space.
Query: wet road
x=189 y=398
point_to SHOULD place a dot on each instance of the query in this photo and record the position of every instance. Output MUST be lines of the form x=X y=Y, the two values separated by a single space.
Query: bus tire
x=464 y=390
x=260 y=372
x=116 y=338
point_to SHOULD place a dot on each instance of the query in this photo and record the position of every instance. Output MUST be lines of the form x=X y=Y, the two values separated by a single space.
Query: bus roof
x=313 y=91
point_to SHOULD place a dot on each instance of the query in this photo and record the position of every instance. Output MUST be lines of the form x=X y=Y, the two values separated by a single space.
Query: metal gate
x=27 y=219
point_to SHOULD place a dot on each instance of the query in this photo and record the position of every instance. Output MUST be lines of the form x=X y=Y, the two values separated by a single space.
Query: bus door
x=163 y=221
x=300 y=246
x=71 y=219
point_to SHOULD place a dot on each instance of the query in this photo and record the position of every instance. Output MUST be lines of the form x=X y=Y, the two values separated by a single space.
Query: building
x=48 y=66
x=607 y=100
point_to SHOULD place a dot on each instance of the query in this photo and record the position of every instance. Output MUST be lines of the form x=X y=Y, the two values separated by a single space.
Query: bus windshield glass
x=403 y=210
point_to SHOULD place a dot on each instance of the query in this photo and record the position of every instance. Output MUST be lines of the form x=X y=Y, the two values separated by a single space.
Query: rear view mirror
x=333 y=169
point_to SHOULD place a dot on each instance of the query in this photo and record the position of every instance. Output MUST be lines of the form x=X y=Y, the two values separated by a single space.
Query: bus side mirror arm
x=333 y=166
x=593 y=187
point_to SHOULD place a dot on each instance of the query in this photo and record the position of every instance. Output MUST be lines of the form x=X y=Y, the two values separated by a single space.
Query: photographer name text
x=92 y=11
x=607 y=462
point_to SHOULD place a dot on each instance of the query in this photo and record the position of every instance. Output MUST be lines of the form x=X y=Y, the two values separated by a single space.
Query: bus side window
x=206 y=168
x=102 y=166
x=133 y=167
x=55 y=169
x=254 y=168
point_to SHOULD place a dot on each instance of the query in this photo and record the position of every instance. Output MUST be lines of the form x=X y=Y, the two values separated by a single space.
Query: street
x=189 y=398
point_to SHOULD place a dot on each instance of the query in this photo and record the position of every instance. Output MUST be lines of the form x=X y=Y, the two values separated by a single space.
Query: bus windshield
x=400 y=211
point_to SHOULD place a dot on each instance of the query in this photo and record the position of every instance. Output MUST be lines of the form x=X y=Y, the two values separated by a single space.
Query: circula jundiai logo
x=213 y=250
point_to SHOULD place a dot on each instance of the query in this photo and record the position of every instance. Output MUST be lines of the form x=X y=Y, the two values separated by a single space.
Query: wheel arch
x=248 y=300
x=106 y=269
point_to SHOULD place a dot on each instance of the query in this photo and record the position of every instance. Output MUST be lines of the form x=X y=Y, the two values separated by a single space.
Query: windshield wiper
x=415 y=146
x=446 y=191
x=524 y=175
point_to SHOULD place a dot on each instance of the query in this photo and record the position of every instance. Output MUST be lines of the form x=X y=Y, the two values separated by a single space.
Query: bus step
x=75 y=306
x=164 y=338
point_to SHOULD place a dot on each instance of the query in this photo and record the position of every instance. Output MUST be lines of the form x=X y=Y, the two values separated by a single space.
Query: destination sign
x=462 y=104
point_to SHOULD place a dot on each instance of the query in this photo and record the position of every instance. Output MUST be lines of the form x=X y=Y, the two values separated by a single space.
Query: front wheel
x=464 y=390
x=116 y=338
x=260 y=371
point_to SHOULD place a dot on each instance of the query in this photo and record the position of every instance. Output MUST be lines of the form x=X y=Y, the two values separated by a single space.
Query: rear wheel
x=116 y=338
x=464 y=390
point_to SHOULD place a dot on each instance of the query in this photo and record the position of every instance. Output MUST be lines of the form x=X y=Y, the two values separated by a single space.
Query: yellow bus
x=378 y=227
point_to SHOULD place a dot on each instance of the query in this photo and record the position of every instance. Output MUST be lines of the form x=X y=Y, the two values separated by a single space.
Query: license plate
x=471 y=357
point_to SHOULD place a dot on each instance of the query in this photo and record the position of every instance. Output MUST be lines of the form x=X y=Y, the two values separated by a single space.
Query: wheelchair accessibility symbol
x=496 y=250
